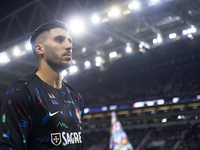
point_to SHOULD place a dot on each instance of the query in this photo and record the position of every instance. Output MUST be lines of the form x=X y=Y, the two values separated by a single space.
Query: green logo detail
x=68 y=90
x=62 y=124
x=68 y=102
x=4 y=118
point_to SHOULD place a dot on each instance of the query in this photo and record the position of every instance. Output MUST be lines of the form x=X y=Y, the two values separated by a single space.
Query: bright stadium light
x=64 y=73
x=160 y=101
x=193 y=29
x=98 y=52
x=159 y=38
x=172 y=35
x=98 y=64
x=190 y=36
x=86 y=110
x=4 y=58
x=155 y=41
x=164 y=120
x=128 y=49
x=150 y=103
x=113 y=54
x=135 y=5
x=87 y=64
x=190 y=30
x=28 y=46
x=114 y=12
x=98 y=59
x=77 y=26
x=175 y=99
x=95 y=18
x=73 y=62
x=83 y=50
x=73 y=69
x=185 y=32
x=16 y=51
x=138 y=104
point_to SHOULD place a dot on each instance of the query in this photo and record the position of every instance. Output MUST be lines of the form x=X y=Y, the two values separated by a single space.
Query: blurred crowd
x=158 y=81
x=176 y=137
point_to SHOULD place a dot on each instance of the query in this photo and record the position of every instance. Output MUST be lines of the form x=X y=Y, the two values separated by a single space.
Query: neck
x=49 y=76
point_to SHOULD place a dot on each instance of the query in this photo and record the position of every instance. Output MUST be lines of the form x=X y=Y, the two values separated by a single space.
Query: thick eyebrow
x=60 y=37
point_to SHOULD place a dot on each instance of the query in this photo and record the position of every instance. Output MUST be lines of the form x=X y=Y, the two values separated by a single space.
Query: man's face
x=58 y=49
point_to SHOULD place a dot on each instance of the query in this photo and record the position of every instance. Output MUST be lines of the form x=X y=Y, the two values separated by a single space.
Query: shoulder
x=20 y=85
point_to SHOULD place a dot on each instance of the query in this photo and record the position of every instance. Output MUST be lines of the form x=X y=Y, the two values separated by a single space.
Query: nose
x=68 y=45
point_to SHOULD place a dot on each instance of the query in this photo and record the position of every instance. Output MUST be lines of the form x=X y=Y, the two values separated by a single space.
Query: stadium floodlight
x=179 y=117
x=64 y=73
x=87 y=64
x=16 y=51
x=155 y=41
x=114 y=12
x=190 y=30
x=86 y=110
x=134 y=5
x=98 y=64
x=83 y=50
x=190 y=36
x=98 y=59
x=160 y=101
x=4 y=58
x=159 y=39
x=185 y=32
x=112 y=107
x=128 y=49
x=175 y=99
x=138 y=104
x=164 y=120
x=95 y=18
x=77 y=26
x=172 y=35
x=150 y=103
x=141 y=44
x=113 y=54
x=104 y=108
x=193 y=29
x=28 y=46
x=98 y=52
x=73 y=62
x=73 y=69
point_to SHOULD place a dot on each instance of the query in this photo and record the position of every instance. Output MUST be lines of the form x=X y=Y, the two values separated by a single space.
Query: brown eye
x=60 y=39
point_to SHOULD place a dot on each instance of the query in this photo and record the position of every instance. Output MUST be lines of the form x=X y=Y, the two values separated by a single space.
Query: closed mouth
x=68 y=54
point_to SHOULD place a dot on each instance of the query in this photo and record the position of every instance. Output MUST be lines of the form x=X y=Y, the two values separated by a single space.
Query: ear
x=39 y=49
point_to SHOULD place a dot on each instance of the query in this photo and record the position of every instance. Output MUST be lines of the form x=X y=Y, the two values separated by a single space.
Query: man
x=40 y=111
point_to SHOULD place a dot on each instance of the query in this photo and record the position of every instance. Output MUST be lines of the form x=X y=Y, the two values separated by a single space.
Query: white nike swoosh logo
x=52 y=114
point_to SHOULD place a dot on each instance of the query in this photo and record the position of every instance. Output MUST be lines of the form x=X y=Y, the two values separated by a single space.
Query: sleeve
x=14 y=118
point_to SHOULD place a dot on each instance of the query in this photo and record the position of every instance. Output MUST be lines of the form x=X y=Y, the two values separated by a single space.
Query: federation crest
x=78 y=115
x=56 y=139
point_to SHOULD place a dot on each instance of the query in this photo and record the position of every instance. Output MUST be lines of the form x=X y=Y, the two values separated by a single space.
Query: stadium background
x=147 y=69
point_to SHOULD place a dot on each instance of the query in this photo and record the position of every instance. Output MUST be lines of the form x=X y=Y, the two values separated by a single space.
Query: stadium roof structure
x=154 y=23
